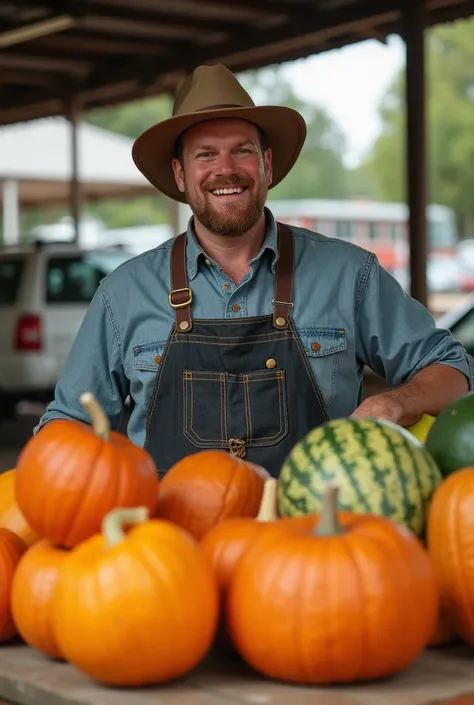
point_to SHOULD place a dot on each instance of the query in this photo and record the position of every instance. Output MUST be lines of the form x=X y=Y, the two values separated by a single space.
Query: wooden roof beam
x=92 y=9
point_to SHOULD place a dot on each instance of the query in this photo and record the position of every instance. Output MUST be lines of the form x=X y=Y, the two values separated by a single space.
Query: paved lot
x=14 y=435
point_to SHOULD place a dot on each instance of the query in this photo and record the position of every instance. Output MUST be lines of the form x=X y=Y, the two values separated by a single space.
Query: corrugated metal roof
x=106 y=51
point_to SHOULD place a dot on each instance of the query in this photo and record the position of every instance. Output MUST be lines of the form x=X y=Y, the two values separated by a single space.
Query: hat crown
x=208 y=87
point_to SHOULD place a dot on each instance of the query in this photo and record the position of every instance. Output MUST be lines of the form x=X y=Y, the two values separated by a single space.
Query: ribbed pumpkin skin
x=379 y=467
x=450 y=540
x=68 y=478
x=144 y=611
x=206 y=487
x=11 y=517
x=324 y=610
x=32 y=593
x=12 y=548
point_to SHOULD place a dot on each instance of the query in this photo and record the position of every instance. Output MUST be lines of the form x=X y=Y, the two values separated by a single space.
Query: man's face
x=224 y=175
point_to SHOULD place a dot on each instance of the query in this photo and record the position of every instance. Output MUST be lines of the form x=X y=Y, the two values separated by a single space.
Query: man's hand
x=427 y=393
x=381 y=406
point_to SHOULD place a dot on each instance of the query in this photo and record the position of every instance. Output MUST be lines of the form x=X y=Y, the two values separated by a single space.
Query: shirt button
x=226 y=287
x=208 y=262
x=315 y=346
x=236 y=307
x=157 y=359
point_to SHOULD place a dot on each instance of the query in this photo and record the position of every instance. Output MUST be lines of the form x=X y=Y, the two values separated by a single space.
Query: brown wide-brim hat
x=214 y=92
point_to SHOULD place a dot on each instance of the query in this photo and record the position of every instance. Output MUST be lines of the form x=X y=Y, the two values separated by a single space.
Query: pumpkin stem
x=100 y=422
x=328 y=524
x=268 y=505
x=114 y=522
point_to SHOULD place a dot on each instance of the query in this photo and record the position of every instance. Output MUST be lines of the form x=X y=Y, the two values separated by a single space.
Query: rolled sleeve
x=397 y=336
x=94 y=364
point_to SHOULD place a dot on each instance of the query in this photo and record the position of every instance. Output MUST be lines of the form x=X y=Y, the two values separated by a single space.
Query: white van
x=45 y=289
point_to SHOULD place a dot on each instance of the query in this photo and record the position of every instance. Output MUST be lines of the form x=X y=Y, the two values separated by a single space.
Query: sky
x=350 y=83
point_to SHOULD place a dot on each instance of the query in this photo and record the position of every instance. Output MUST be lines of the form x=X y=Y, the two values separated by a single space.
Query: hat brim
x=153 y=150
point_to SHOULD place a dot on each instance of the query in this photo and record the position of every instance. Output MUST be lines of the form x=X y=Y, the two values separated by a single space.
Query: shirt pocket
x=323 y=348
x=147 y=361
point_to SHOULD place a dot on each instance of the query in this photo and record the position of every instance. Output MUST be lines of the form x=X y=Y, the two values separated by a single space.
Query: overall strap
x=180 y=296
x=283 y=301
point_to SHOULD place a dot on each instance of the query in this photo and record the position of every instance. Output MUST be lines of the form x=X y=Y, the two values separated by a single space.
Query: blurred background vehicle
x=45 y=289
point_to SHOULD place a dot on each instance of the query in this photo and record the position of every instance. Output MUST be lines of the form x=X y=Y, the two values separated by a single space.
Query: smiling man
x=243 y=333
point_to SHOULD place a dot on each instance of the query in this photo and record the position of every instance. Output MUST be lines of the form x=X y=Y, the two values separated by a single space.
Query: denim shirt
x=348 y=311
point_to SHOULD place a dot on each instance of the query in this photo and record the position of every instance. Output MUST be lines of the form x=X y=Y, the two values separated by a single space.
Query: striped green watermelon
x=380 y=469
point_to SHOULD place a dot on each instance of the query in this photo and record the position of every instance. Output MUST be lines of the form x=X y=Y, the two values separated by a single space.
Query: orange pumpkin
x=334 y=600
x=136 y=608
x=204 y=488
x=226 y=543
x=11 y=516
x=12 y=548
x=450 y=539
x=70 y=475
x=33 y=588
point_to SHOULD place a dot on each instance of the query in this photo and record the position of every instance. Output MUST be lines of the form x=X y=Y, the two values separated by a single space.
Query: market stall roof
x=55 y=54
x=37 y=156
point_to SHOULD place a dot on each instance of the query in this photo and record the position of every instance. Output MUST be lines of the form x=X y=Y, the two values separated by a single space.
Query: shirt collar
x=194 y=251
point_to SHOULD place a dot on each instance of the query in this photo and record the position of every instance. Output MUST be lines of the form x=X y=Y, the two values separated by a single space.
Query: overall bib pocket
x=218 y=407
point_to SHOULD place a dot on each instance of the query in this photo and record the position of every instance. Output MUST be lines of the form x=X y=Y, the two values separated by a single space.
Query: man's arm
x=427 y=393
x=399 y=340
x=94 y=365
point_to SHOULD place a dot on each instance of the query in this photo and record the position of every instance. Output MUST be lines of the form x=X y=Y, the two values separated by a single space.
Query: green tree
x=319 y=171
x=450 y=117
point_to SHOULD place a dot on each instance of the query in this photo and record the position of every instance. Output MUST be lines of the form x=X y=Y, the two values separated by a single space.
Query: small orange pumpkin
x=70 y=475
x=136 y=608
x=228 y=540
x=326 y=604
x=206 y=487
x=11 y=516
x=12 y=548
x=33 y=589
x=450 y=540
x=226 y=543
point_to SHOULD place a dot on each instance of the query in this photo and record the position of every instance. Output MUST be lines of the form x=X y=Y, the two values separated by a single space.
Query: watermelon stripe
x=402 y=474
x=338 y=450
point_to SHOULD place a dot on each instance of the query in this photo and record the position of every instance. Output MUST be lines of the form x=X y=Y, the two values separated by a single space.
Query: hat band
x=218 y=107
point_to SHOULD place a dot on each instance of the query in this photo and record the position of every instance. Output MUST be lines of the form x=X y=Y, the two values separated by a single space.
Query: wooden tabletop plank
x=28 y=678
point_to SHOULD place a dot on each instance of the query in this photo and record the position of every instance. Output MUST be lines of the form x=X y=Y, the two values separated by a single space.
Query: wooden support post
x=73 y=114
x=416 y=159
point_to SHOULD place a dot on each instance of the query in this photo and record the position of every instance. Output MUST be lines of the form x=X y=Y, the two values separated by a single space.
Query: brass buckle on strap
x=282 y=303
x=184 y=303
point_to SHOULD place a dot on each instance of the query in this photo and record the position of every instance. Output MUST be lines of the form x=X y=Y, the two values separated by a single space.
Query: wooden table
x=27 y=678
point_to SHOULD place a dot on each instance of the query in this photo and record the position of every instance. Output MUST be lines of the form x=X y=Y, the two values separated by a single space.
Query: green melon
x=450 y=439
x=380 y=469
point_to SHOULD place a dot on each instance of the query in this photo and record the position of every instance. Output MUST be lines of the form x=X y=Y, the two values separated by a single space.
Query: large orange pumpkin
x=136 y=608
x=333 y=600
x=11 y=516
x=12 y=548
x=206 y=487
x=450 y=539
x=33 y=589
x=71 y=474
